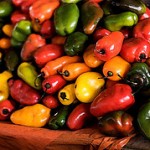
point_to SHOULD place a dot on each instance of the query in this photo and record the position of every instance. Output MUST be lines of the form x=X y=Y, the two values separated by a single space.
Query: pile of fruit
x=69 y=64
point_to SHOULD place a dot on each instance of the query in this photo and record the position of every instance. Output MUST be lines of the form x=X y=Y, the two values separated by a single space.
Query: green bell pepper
x=143 y=119
x=58 y=120
x=136 y=6
x=20 y=33
x=116 y=22
x=138 y=76
x=75 y=43
x=27 y=72
x=91 y=13
x=11 y=60
x=66 y=18
x=6 y=8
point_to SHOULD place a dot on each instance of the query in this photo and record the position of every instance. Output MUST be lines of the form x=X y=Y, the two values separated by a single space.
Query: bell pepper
x=71 y=71
x=36 y=115
x=143 y=119
x=4 y=88
x=135 y=50
x=58 y=39
x=22 y=92
x=88 y=85
x=116 y=22
x=50 y=101
x=11 y=60
x=52 y=67
x=116 y=68
x=99 y=33
x=28 y=73
x=6 y=8
x=117 y=97
x=31 y=44
x=79 y=117
x=53 y=83
x=18 y=15
x=89 y=57
x=6 y=108
x=91 y=14
x=47 y=29
x=138 y=77
x=145 y=15
x=20 y=33
x=24 y=5
x=117 y=124
x=7 y=29
x=137 y=7
x=46 y=53
x=43 y=10
x=75 y=43
x=5 y=43
x=109 y=46
x=58 y=120
x=107 y=7
x=142 y=29
x=66 y=95
x=66 y=18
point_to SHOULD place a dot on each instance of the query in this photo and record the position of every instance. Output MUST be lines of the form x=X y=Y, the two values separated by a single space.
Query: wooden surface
x=15 y=137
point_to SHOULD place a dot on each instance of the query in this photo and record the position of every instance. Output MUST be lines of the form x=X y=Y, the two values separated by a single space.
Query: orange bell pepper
x=43 y=10
x=72 y=70
x=36 y=115
x=54 y=66
x=116 y=68
x=89 y=57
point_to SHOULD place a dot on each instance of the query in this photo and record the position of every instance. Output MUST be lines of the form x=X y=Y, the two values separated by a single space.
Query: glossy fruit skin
x=116 y=97
x=108 y=46
x=118 y=123
x=143 y=119
x=118 y=70
x=79 y=117
x=52 y=84
x=66 y=18
x=88 y=85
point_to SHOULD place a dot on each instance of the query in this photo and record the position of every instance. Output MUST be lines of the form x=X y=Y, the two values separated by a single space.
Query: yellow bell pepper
x=4 y=88
x=88 y=85
x=66 y=95
x=36 y=115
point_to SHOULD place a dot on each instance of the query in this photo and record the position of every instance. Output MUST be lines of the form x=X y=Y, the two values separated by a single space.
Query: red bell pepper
x=142 y=29
x=47 y=53
x=117 y=124
x=109 y=46
x=50 y=101
x=17 y=16
x=47 y=29
x=99 y=33
x=23 y=4
x=22 y=92
x=6 y=108
x=42 y=10
x=145 y=15
x=117 y=97
x=135 y=50
x=33 y=42
x=79 y=117
x=53 y=83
